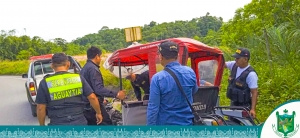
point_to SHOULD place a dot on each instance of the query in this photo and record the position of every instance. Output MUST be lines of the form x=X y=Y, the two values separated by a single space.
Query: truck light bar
x=47 y=56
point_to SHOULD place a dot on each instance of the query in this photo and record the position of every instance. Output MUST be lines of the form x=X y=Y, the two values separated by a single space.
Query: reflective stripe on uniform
x=64 y=86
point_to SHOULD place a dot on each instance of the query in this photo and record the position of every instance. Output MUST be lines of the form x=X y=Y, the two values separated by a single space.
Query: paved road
x=14 y=106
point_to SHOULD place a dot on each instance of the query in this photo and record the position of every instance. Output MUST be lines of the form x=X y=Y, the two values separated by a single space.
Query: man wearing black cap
x=140 y=81
x=62 y=94
x=167 y=105
x=242 y=87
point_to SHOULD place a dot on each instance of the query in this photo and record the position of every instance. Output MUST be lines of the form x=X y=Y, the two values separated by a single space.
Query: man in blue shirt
x=167 y=105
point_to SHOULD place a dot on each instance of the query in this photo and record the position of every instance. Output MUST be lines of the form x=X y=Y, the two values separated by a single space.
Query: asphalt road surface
x=14 y=106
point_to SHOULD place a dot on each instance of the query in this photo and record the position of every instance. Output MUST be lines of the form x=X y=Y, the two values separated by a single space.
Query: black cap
x=168 y=49
x=59 y=58
x=241 y=52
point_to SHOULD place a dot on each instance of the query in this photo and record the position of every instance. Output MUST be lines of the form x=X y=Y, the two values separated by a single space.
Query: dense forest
x=14 y=48
x=269 y=28
x=251 y=24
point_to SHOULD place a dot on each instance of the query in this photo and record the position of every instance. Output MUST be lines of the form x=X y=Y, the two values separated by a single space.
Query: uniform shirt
x=251 y=79
x=142 y=80
x=167 y=105
x=43 y=97
x=202 y=82
x=93 y=76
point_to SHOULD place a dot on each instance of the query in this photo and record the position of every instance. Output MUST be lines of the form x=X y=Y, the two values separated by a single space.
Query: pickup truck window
x=41 y=68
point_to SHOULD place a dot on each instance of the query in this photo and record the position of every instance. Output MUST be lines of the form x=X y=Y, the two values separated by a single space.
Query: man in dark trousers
x=139 y=81
x=93 y=76
x=62 y=94
x=242 y=88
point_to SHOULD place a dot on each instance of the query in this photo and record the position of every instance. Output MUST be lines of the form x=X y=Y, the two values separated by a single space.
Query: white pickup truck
x=38 y=68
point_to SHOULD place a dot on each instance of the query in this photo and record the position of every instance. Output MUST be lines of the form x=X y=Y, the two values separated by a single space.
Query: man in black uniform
x=243 y=81
x=93 y=76
x=140 y=80
x=62 y=94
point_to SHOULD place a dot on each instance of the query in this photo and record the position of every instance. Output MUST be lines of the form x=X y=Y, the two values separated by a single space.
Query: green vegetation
x=270 y=29
x=109 y=40
x=14 y=67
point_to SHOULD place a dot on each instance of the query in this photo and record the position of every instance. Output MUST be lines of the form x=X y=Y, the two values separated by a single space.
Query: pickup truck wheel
x=27 y=93
x=33 y=110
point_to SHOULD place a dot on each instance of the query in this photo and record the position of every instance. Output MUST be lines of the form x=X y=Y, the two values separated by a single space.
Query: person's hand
x=252 y=113
x=105 y=102
x=99 y=118
x=121 y=95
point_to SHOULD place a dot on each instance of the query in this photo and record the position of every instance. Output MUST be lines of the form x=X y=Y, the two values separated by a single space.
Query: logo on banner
x=285 y=126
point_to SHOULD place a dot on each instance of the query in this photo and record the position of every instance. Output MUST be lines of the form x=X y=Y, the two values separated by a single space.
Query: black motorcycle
x=114 y=114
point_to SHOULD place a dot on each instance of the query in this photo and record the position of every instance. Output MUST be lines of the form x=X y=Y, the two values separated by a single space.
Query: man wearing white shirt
x=242 y=82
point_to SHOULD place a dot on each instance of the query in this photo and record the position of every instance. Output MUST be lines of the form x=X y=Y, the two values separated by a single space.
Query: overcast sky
x=69 y=19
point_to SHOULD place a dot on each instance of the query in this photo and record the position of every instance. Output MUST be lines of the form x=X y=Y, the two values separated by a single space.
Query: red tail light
x=245 y=113
x=32 y=89
x=220 y=122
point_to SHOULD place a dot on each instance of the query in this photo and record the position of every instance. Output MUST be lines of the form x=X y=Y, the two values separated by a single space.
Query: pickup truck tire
x=32 y=106
x=33 y=110
x=27 y=93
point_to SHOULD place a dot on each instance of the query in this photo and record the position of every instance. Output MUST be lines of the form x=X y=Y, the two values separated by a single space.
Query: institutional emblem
x=286 y=126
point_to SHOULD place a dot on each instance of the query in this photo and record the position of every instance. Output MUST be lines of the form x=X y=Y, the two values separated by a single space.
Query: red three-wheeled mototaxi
x=208 y=64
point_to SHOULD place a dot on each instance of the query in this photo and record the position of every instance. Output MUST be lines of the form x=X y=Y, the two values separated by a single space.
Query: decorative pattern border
x=130 y=131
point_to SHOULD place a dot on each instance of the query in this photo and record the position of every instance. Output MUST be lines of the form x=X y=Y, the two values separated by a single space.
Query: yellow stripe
x=63 y=82
x=65 y=94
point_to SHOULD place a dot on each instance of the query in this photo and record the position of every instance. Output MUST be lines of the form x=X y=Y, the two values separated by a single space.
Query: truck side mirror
x=24 y=76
